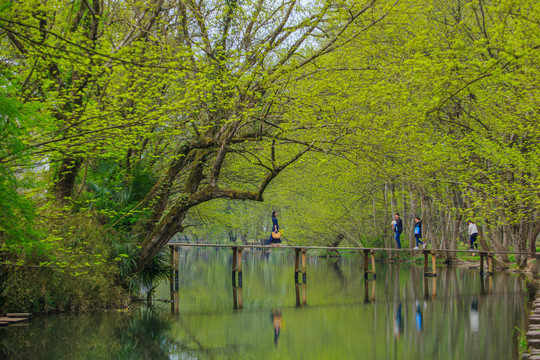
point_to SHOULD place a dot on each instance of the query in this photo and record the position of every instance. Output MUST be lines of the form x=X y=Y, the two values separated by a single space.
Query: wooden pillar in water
x=239 y=267
x=490 y=263
x=366 y=267
x=304 y=266
x=434 y=263
x=482 y=262
x=234 y=258
x=373 y=271
x=367 y=256
x=296 y=264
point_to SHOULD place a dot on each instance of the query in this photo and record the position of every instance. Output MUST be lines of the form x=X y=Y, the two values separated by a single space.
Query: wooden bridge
x=300 y=264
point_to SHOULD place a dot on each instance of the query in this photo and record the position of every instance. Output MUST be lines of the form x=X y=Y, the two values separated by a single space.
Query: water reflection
x=238 y=302
x=418 y=318
x=300 y=287
x=475 y=319
x=277 y=322
x=399 y=325
x=413 y=317
x=367 y=298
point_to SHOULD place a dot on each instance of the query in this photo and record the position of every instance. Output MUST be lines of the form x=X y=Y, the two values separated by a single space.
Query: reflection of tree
x=337 y=270
x=142 y=335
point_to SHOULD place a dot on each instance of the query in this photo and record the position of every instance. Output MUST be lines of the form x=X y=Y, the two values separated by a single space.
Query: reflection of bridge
x=300 y=267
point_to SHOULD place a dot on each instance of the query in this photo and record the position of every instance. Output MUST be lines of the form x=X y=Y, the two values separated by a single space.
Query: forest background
x=128 y=123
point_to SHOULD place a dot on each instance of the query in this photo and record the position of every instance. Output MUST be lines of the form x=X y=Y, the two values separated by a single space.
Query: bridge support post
x=433 y=272
x=234 y=259
x=239 y=267
x=366 y=266
x=434 y=263
x=490 y=264
x=367 y=255
x=482 y=255
x=304 y=266
x=296 y=264
x=373 y=271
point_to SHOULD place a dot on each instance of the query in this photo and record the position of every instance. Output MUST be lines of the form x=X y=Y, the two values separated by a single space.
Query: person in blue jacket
x=398 y=229
x=418 y=233
x=275 y=229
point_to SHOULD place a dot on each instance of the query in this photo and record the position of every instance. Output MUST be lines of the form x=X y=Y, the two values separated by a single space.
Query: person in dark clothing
x=275 y=229
x=418 y=233
x=398 y=229
x=473 y=234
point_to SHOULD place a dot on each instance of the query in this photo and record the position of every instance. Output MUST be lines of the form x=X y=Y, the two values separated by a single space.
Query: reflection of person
x=277 y=322
x=398 y=229
x=398 y=323
x=275 y=229
x=418 y=233
x=418 y=318
x=473 y=233
x=474 y=315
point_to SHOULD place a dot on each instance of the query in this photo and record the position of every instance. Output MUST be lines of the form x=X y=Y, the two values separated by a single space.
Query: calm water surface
x=335 y=315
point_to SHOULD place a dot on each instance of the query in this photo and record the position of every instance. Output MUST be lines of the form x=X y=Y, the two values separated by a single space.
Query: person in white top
x=473 y=233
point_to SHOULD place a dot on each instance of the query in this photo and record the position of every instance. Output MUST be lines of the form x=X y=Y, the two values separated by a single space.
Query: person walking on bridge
x=275 y=229
x=398 y=229
x=473 y=234
x=418 y=233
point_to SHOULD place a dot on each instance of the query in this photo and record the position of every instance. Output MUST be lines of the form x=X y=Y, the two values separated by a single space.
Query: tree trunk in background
x=507 y=236
x=481 y=240
x=243 y=238
x=387 y=221
x=413 y=212
x=405 y=210
x=496 y=241
x=457 y=219
x=232 y=237
x=426 y=224
x=393 y=201
x=520 y=232
x=63 y=188
x=374 y=216
x=535 y=231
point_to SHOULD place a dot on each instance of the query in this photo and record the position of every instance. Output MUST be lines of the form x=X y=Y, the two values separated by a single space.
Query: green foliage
x=17 y=211
x=336 y=114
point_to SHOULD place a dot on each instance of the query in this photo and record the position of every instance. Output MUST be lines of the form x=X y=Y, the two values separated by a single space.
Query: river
x=337 y=314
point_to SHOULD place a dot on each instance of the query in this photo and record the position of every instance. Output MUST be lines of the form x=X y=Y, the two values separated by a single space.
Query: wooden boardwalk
x=485 y=257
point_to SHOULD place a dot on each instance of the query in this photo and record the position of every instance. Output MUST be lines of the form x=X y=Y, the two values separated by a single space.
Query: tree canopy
x=153 y=118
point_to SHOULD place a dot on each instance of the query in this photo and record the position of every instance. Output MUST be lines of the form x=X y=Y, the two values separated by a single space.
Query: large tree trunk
x=495 y=232
x=65 y=183
x=535 y=231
